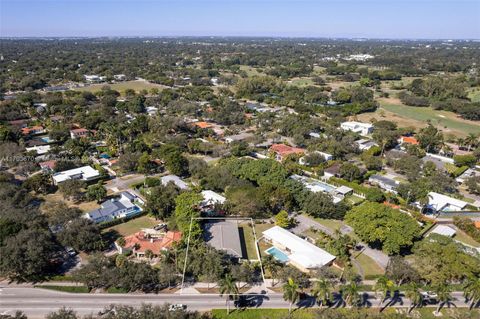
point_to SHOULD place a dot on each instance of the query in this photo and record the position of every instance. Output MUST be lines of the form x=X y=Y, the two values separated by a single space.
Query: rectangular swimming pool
x=277 y=254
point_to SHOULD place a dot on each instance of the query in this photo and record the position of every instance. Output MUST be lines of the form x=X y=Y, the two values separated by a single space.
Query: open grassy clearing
x=58 y=197
x=301 y=82
x=251 y=71
x=370 y=267
x=409 y=116
x=133 y=225
x=136 y=85
x=461 y=236
x=474 y=95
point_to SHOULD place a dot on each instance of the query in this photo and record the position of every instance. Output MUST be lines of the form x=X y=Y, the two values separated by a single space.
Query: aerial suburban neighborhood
x=239 y=177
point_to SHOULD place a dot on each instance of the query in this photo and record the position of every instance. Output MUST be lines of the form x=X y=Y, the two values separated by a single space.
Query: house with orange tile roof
x=281 y=151
x=79 y=133
x=203 y=125
x=408 y=140
x=33 y=130
x=142 y=241
x=477 y=224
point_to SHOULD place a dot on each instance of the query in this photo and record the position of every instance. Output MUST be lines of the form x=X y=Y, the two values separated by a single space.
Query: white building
x=444 y=231
x=444 y=203
x=212 y=198
x=326 y=156
x=300 y=253
x=120 y=77
x=121 y=207
x=357 y=127
x=94 y=78
x=175 y=179
x=39 y=149
x=84 y=173
x=365 y=144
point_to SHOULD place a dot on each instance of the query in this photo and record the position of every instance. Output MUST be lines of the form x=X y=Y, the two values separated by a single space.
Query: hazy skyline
x=421 y=19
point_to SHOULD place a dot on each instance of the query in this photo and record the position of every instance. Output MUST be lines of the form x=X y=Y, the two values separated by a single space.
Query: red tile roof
x=29 y=130
x=144 y=243
x=409 y=140
x=203 y=124
x=285 y=150
x=49 y=164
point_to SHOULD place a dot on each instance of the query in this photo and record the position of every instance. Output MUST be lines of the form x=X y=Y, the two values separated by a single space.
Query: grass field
x=464 y=238
x=474 y=95
x=136 y=85
x=58 y=197
x=370 y=267
x=424 y=313
x=417 y=117
x=249 y=240
x=302 y=82
x=71 y=289
x=133 y=225
x=251 y=71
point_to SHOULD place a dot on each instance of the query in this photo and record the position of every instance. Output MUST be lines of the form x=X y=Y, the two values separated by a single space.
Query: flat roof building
x=444 y=203
x=301 y=254
x=84 y=173
x=357 y=127
x=224 y=235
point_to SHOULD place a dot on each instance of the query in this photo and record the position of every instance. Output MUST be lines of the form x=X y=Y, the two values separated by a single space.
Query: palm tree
x=471 y=291
x=271 y=265
x=386 y=287
x=415 y=295
x=322 y=292
x=350 y=294
x=444 y=296
x=228 y=287
x=471 y=140
x=290 y=293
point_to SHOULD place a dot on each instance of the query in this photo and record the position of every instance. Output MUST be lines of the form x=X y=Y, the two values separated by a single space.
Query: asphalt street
x=36 y=302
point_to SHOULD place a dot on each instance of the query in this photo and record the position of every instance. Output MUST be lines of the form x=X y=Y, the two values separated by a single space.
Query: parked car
x=177 y=306
x=71 y=251
x=161 y=226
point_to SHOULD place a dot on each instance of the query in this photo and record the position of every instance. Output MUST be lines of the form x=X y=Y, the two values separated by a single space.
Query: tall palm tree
x=271 y=265
x=444 y=296
x=471 y=140
x=350 y=294
x=386 y=287
x=290 y=293
x=413 y=293
x=228 y=287
x=322 y=291
x=471 y=291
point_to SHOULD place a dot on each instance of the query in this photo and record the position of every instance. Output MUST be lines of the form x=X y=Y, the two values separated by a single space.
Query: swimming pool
x=277 y=254
x=46 y=139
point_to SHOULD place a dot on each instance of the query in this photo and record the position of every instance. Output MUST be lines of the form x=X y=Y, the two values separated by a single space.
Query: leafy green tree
x=350 y=172
x=39 y=183
x=282 y=219
x=228 y=287
x=96 y=192
x=379 y=224
x=290 y=293
x=430 y=138
x=82 y=234
x=161 y=200
x=186 y=209
x=72 y=189
x=63 y=313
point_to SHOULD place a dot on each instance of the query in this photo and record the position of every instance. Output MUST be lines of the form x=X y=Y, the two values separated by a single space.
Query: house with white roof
x=357 y=127
x=84 y=173
x=212 y=198
x=174 y=179
x=288 y=247
x=121 y=207
x=444 y=203
x=444 y=231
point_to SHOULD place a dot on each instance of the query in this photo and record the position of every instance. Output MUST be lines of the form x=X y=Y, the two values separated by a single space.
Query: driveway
x=305 y=222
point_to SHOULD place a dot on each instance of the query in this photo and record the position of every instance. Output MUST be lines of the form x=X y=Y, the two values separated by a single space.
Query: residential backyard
x=249 y=239
x=369 y=267
x=132 y=226
x=136 y=85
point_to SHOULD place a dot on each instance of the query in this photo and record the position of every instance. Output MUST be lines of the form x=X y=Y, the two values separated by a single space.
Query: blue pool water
x=46 y=139
x=278 y=254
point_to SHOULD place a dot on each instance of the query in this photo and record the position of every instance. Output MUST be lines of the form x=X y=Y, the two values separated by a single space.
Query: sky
x=404 y=19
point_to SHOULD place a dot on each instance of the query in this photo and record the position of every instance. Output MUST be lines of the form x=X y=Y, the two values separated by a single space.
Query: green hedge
x=72 y=289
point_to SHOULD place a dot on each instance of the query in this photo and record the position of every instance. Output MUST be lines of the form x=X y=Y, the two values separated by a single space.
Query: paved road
x=305 y=222
x=36 y=303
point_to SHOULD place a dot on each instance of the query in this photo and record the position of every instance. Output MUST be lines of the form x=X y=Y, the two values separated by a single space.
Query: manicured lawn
x=474 y=95
x=329 y=223
x=369 y=266
x=122 y=86
x=354 y=200
x=464 y=238
x=447 y=121
x=251 y=71
x=424 y=313
x=249 y=240
x=133 y=225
